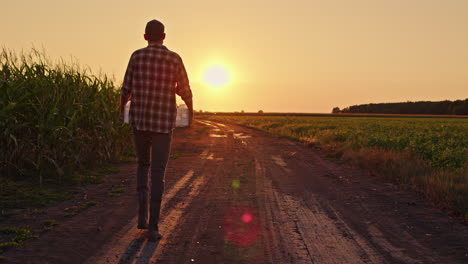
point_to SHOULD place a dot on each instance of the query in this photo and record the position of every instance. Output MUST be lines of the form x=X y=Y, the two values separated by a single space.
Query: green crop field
x=428 y=153
x=56 y=120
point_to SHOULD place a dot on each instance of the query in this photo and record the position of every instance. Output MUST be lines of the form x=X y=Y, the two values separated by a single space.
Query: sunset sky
x=279 y=56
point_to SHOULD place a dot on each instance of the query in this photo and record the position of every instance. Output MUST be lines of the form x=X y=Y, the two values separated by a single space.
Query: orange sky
x=284 y=56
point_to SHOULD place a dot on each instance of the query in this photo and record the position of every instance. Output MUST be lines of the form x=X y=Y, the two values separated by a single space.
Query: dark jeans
x=154 y=147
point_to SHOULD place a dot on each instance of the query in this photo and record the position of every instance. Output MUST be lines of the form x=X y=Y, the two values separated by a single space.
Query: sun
x=216 y=76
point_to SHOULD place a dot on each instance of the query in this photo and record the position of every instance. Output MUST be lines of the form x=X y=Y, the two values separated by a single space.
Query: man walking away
x=154 y=76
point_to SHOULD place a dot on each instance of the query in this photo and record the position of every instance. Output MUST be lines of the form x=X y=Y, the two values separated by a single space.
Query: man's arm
x=126 y=92
x=183 y=89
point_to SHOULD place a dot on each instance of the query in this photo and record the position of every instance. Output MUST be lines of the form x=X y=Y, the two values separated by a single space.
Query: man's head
x=154 y=31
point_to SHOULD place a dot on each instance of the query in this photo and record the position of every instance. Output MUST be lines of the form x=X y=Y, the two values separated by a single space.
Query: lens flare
x=246 y=218
x=241 y=225
x=235 y=184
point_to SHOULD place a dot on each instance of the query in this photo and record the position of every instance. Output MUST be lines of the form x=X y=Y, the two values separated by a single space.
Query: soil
x=236 y=195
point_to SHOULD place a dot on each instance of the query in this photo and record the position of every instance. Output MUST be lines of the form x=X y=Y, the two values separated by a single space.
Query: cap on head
x=154 y=30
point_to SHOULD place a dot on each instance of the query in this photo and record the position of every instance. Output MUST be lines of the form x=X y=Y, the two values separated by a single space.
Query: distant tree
x=446 y=107
x=336 y=110
x=242 y=111
x=260 y=111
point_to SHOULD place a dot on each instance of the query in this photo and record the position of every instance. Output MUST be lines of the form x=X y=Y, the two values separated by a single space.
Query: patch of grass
x=13 y=237
x=90 y=203
x=72 y=211
x=18 y=195
x=86 y=179
x=37 y=211
x=176 y=156
x=110 y=169
x=30 y=213
x=49 y=224
x=93 y=176
x=116 y=191
x=443 y=187
x=128 y=159
x=6 y=212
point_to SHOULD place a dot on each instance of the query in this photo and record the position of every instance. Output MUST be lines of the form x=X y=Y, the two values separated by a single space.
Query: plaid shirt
x=154 y=76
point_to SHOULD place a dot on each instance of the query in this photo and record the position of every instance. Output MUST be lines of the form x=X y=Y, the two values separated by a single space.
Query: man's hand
x=123 y=101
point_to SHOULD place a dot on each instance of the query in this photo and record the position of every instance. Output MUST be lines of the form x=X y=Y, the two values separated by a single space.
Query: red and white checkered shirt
x=154 y=76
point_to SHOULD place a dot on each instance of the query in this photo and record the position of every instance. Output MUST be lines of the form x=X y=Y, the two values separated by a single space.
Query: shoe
x=153 y=235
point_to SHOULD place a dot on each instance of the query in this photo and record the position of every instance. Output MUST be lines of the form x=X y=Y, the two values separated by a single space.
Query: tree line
x=458 y=107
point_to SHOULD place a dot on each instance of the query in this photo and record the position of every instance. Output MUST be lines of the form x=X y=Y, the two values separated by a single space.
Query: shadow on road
x=135 y=247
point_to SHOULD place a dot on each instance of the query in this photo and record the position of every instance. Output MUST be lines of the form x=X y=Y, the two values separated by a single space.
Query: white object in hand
x=127 y=113
x=182 y=118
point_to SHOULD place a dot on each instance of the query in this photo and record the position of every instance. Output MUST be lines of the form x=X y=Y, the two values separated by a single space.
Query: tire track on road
x=299 y=234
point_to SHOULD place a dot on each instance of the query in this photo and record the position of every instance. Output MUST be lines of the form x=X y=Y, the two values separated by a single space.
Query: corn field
x=56 y=119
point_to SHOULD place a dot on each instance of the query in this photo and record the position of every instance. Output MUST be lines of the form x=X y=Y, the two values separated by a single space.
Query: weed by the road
x=176 y=156
x=116 y=191
x=93 y=176
x=86 y=178
x=13 y=236
x=49 y=224
x=15 y=196
x=90 y=203
x=5 y=212
x=22 y=196
x=72 y=211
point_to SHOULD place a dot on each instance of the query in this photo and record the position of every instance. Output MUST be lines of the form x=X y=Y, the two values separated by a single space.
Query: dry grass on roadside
x=445 y=188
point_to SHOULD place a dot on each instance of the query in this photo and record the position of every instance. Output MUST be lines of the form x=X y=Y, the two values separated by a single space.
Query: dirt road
x=235 y=195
